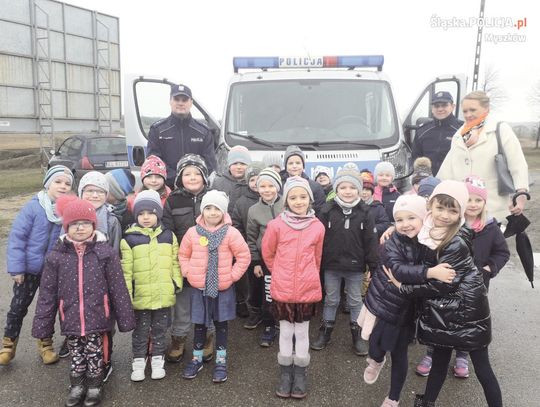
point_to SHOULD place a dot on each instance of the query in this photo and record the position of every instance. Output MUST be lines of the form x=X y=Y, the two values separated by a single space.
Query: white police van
x=337 y=109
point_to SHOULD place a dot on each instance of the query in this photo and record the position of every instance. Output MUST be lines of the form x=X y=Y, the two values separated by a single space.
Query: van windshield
x=311 y=111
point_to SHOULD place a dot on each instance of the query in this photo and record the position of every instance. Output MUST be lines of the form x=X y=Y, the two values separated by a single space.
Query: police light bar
x=350 y=61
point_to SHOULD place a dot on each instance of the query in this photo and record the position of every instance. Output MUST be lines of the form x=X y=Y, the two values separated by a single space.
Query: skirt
x=386 y=335
x=205 y=309
x=285 y=311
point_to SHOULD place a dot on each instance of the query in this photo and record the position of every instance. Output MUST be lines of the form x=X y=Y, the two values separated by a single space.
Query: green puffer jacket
x=150 y=264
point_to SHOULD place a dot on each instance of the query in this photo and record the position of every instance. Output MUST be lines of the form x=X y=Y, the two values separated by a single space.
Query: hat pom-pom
x=63 y=201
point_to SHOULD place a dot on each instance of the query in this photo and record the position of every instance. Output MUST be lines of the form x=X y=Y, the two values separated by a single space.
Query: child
x=322 y=175
x=33 y=234
x=179 y=214
x=206 y=259
x=292 y=249
x=385 y=192
x=376 y=208
x=153 y=176
x=270 y=205
x=393 y=314
x=273 y=161
x=121 y=183
x=150 y=265
x=350 y=244
x=454 y=315
x=427 y=185
x=83 y=281
x=421 y=170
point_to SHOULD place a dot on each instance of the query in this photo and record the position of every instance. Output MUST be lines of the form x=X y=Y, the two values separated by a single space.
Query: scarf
x=477 y=224
x=431 y=235
x=298 y=222
x=81 y=246
x=369 y=201
x=347 y=209
x=212 y=240
x=49 y=206
x=119 y=209
x=102 y=214
x=466 y=131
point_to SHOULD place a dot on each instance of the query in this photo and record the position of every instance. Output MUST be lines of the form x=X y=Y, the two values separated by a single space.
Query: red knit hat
x=72 y=210
x=153 y=165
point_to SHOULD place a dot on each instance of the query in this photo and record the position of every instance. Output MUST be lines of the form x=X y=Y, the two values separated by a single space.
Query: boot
x=208 y=350
x=254 y=318
x=7 y=353
x=94 y=394
x=176 y=349
x=46 y=351
x=325 y=333
x=137 y=369
x=299 y=387
x=77 y=390
x=360 y=346
x=157 y=363
x=420 y=402
x=286 y=376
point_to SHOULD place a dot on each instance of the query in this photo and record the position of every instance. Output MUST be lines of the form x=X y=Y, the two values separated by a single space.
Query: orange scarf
x=467 y=127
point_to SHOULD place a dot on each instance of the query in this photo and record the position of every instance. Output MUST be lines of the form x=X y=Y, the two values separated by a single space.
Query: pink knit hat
x=475 y=185
x=411 y=203
x=456 y=190
x=153 y=165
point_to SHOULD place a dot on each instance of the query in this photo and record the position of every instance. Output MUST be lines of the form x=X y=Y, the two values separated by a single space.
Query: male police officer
x=179 y=134
x=433 y=139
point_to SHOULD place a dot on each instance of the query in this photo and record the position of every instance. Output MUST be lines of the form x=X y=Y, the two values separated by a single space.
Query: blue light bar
x=348 y=61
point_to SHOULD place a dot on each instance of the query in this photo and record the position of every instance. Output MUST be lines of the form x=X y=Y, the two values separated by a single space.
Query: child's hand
x=387 y=233
x=442 y=272
x=257 y=270
x=19 y=278
x=487 y=268
x=391 y=278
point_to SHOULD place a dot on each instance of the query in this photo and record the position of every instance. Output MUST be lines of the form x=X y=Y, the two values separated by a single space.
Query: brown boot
x=46 y=351
x=176 y=349
x=208 y=350
x=9 y=346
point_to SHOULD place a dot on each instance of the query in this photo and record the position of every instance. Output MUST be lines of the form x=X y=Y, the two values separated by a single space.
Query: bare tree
x=534 y=100
x=492 y=86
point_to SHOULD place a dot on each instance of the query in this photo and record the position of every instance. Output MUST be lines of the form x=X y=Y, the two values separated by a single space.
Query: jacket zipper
x=61 y=309
x=80 y=255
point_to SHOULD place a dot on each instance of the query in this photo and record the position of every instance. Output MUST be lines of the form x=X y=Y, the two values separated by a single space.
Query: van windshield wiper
x=337 y=142
x=256 y=139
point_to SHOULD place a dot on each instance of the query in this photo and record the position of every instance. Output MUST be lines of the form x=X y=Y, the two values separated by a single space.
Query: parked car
x=85 y=153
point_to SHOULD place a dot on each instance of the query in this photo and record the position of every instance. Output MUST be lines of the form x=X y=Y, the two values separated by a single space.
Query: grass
x=19 y=182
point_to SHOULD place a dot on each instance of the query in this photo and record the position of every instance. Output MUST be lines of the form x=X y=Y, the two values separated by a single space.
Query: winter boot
x=242 y=310
x=254 y=318
x=299 y=387
x=371 y=374
x=64 y=351
x=286 y=376
x=94 y=394
x=420 y=402
x=157 y=363
x=7 y=353
x=208 y=350
x=176 y=349
x=77 y=390
x=325 y=333
x=137 y=369
x=360 y=346
x=46 y=351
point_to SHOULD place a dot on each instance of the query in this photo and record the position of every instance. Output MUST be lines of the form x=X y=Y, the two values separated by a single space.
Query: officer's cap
x=442 y=97
x=180 y=90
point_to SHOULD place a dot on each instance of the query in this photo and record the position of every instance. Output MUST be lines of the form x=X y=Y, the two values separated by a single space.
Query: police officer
x=180 y=133
x=433 y=139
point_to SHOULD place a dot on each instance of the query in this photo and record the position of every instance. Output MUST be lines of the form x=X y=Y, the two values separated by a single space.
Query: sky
x=193 y=42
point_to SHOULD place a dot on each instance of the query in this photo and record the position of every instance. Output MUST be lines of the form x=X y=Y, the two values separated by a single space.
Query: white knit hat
x=384 y=166
x=93 y=178
x=219 y=199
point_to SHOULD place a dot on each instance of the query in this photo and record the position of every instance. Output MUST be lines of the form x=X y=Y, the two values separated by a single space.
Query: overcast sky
x=194 y=41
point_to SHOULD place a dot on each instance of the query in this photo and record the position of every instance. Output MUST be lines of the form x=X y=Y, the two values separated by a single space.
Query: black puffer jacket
x=403 y=256
x=239 y=214
x=454 y=315
x=181 y=210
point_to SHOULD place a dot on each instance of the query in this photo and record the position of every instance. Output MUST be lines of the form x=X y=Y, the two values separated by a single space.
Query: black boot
x=299 y=387
x=420 y=402
x=285 y=377
x=360 y=346
x=325 y=333
x=94 y=394
x=77 y=390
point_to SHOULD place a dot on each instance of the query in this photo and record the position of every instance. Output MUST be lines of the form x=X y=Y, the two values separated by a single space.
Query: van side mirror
x=138 y=155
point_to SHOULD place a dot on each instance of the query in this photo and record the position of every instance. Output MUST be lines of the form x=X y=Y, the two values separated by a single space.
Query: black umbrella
x=516 y=223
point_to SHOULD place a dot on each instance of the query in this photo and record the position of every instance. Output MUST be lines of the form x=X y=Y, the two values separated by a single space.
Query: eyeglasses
x=439 y=105
x=99 y=192
x=80 y=224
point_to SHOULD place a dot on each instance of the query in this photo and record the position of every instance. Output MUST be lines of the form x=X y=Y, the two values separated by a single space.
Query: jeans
x=332 y=287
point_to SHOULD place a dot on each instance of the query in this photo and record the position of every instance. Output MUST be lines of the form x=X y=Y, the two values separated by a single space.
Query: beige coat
x=479 y=160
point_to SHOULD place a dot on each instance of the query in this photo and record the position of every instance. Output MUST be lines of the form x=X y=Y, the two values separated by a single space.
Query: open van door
x=146 y=100
x=420 y=111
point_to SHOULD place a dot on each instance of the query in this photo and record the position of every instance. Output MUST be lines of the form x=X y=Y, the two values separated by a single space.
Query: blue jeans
x=332 y=287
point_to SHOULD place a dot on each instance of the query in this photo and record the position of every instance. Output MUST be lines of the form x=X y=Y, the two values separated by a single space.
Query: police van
x=337 y=109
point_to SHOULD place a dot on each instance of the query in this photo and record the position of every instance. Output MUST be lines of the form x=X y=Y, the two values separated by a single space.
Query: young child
x=83 y=281
x=33 y=234
x=292 y=249
x=150 y=265
x=270 y=205
x=376 y=208
x=453 y=315
x=421 y=170
x=206 y=259
x=385 y=191
x=121 y=184
x=273 y=161
x=323 y=176
x=427 y=185
x=350 y=244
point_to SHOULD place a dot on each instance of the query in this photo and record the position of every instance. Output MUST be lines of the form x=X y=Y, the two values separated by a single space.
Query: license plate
x=115 y=164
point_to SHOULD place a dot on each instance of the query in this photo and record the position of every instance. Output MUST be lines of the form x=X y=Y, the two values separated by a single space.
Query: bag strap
x=498 y=134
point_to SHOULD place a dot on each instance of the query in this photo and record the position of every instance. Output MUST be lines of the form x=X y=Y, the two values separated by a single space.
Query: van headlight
x=401 y=159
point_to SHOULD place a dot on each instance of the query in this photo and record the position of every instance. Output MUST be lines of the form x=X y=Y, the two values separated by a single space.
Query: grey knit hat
x=351 y=176
x=270 y=159
x=296 y=181
x=254 y=169
x=293 y=150
x=384 y=166
x=238 y=154
x=269 y=174
x=148 y=200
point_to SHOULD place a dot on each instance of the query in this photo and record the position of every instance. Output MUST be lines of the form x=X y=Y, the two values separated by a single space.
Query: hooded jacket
x=258 y=217
x=382 y=222
x=239 y=214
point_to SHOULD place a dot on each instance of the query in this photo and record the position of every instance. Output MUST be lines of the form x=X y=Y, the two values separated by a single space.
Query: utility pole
x=478 y=46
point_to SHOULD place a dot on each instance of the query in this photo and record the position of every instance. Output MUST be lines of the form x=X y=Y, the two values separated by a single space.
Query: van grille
x=334 y=156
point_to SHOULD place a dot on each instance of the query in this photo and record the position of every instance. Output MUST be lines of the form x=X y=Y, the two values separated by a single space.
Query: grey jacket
x=258 y=217
x=232 y=187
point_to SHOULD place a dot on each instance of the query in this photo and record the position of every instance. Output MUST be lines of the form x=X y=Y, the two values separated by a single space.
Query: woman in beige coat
x=473 y=151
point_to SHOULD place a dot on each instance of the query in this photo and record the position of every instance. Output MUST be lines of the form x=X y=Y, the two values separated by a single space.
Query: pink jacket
x=294 y=259
x=193 y=257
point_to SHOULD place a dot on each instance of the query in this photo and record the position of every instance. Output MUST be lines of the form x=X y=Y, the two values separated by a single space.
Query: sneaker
x=107 y=371
x=371 y=374
x=157 y=363
x=267 y=337
x=137 y=373
x=461 y=369
x=192 y=369
x=64 y=351
x=220 y=373
x=253 y=321
x=424 y=367
x=389 y=403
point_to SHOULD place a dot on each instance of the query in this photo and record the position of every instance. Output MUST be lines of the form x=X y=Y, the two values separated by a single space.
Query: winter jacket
x=86 y=287
x=490 y=249
x=319 y=198
x=382 y=221
x=258 y=217
x=479 y=160
x=114 y=232
x=293 y=257
x=193 y=257
x=239 y=214
x=181 y=210
x=31 y=237
x=387 y=196
x=433 y=140
x=350 y=241
x=454 y=315
x=150 y=264
x=233 y=187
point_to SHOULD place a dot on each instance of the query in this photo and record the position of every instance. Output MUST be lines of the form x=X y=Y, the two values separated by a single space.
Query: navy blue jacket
x=382 y=221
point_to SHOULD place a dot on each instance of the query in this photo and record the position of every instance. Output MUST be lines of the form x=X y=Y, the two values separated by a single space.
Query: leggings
x=222 y=330
x=300 y=332
x=482 y=369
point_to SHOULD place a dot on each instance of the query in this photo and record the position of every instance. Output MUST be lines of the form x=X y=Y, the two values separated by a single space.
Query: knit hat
x=270 y=159
x=93 y=178
x=297 y=181
x=268 y=174
x=411 y=203
x=293 y=150
x=55 y=172
x=238 y=154
x=427 y=185
x=322 y=170
x=187 y=160
x=350 y=166
x=421 y=169
x=456 y=190
x=384 y=166
x=348 y=176
x=73 y=209
x=121 y=182
x=475 y=185
x=367 y=179
x=254 y=169
x=153 y=165
x=219 y=199
x=148 y=200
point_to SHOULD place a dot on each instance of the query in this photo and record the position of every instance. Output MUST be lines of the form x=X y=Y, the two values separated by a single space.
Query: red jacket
x=294 y=259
